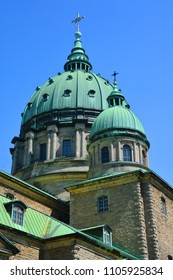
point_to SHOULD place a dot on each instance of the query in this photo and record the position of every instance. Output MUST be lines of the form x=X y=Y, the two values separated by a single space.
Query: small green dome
x=118 y=119
x=115 y=120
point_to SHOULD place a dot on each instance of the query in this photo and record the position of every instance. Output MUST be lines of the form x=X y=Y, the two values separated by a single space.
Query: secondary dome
x=115 y=120
x=118 y=119
x=117 y=140
x=76 y=93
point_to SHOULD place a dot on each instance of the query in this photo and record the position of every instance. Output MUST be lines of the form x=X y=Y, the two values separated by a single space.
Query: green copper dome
x=76 y=89
x=115 y=120
x=77 y=93
x=118 y=119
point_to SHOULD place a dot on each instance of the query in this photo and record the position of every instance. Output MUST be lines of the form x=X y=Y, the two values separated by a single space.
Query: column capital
x=29 y=135
x=79 y=126
x=52 y=128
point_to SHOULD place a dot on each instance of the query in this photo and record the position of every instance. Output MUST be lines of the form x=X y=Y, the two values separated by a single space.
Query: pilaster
x=79 y=138
x=28 y=153
x=51 y=142
x=151 y=230
x=142 y=239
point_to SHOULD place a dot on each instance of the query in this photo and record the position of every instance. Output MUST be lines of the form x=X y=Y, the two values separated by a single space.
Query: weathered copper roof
x=78 y=92
x=41 y=226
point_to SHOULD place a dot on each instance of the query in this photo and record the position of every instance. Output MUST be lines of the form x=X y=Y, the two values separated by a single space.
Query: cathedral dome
x=77 y=93
x=67 y=91
x=51 y=150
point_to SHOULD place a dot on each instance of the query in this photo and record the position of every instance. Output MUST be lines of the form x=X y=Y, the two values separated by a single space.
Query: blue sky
x=134 y=37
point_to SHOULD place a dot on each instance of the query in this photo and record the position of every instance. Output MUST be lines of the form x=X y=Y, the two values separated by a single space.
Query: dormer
x=102 y=232
x=16 y=209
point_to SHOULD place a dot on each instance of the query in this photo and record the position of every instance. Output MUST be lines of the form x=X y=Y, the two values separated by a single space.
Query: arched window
x=127 y=153
x=105 y=154
x=66 y=148
x=102 y=203
x=107 y=236
x=164 y=208
x=17 y=214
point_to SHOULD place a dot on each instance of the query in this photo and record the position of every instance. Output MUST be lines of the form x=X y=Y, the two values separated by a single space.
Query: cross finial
x=115 y=74
x=77 y=20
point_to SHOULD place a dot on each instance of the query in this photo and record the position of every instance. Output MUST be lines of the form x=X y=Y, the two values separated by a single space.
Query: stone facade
x=139 y=156
x=17 y=243
x=27 y=252
x=159 y=220
x=31 y=165
x=134 y=212
x=74 y=249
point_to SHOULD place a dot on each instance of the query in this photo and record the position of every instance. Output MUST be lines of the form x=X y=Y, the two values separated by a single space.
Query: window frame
x=164 y=206
x=102 y=204
x=67 y=149
x=105 y=154
x=17 y=214
x=43 y=151
x=107 y=236
x=127 y=153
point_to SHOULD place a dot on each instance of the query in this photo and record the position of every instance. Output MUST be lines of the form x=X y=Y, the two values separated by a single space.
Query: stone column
x=112 y=154
x=134 y=152
x=48 y=145
x=28 y=148
x=83 y=144
x=140 y=154
x=119 y=151
x=80 y=140
x=30 y=151
x=78 y=144
x=53 y=144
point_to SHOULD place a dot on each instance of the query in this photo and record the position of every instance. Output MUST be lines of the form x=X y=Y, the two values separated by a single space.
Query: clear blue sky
x=134 y=37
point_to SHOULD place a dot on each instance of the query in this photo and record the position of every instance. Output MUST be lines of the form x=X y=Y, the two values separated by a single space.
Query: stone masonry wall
x=73 y=249
x=125 y=215
x=27 y=252
x=164 y=224
x=159 y=225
